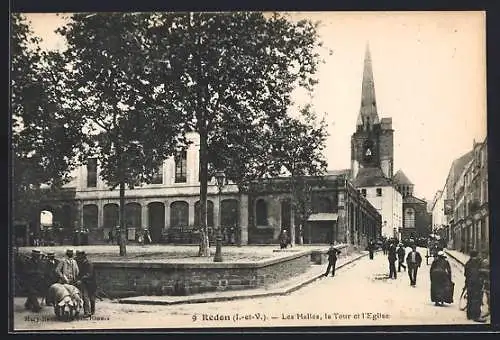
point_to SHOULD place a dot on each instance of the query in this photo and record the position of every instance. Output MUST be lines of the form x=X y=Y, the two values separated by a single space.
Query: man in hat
x=67 y=270
x=401 y=257
x=332 y=259
x=392 y=257
x=474 y=284
x=34 y=280
x=87 y=284
x=50 y=272
x=413 y=262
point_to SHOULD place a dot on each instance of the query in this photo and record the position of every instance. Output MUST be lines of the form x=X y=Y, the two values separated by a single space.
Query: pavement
x=281 y=288
x=360 y=294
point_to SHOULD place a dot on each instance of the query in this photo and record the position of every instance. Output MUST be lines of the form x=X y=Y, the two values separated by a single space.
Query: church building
x=372 y=157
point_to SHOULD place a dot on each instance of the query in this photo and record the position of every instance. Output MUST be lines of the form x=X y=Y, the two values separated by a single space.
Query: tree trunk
x=123 y=233
x=204 y=249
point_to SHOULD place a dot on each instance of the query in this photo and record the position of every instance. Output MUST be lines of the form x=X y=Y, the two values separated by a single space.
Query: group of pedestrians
x=476 y=273
x=413 y=261
x=39 y=274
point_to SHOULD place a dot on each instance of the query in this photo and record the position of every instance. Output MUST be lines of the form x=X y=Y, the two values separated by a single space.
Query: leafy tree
x=44 y=135
x=126 y=116
x=299 y=144
x=231 y=75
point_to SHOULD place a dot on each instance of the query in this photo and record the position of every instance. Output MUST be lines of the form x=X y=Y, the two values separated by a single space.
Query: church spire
x=368 y=111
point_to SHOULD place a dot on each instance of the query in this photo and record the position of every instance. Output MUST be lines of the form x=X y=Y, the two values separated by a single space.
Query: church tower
x=372 y=143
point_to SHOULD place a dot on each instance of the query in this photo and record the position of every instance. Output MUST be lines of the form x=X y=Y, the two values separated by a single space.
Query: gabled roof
x=371 y=177
x=413 y=199
x=401 y=179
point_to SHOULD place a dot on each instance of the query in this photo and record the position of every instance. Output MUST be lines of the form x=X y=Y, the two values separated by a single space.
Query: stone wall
x=140 y=278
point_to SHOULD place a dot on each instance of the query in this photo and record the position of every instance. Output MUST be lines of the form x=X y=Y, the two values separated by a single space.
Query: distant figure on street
x=441 y=284
x=474 y=283
x=413 y=261
x=401 y=257
x=111 y=237
x=283 y=238
x=371 y=249
x=332 y=259
x=67 y=270
x=392 y=257
x=147 y=236
x=140 y=237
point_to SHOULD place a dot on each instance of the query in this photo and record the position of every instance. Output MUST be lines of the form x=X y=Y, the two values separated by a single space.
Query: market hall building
x=169 y=207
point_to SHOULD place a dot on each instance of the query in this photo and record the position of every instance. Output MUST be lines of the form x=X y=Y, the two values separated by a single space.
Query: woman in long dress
x=440 y=279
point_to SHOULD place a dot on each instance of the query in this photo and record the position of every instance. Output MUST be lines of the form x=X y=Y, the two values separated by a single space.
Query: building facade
x=416 y=218
x=438 y=216
x=169 y=207
x=470 y=214
x=389 y=203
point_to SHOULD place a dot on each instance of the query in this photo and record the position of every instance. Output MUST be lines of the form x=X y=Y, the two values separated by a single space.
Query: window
x=181 y=167
x=92 y=172
x=363 y=192
x=179 y=214
x=409 y=221
x=158 y=176
x=379 y=192
x=261 y=212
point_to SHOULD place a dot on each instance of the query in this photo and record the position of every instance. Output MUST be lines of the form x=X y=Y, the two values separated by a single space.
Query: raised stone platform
x=177 y=271
x=134 y=278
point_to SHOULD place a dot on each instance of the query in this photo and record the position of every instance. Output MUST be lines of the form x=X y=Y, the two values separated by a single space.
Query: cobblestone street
x=359 y=294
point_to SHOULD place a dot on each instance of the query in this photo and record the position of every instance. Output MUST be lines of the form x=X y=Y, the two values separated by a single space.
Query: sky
x=429 y=73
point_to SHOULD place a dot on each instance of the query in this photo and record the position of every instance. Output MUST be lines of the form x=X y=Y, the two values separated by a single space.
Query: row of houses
x=460 y=211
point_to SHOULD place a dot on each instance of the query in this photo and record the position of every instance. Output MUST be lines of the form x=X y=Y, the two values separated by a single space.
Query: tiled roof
x=371 y=177
x=401 y=179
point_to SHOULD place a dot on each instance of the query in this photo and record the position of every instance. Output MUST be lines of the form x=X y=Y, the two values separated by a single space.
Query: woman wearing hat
x=441 y=280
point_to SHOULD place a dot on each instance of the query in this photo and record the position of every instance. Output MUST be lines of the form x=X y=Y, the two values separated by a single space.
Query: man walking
x=283 y=238
x=87 y=284
x=392 y=261
x=413 y=261
x=401 y=257
x=67 y=270
x=332 y=259
x=371 y=249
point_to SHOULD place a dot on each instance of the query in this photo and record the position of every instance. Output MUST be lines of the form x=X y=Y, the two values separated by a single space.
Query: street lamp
x=220 y=177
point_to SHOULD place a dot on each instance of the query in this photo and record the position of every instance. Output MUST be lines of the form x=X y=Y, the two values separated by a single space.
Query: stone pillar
x=167 y=214
x=191 y=213
x=144 y=215
x=243 y=223
x=79 y=214
x=100 y=214
x=292 y=225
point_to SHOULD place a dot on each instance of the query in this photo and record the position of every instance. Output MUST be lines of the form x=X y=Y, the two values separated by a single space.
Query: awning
x=323 y=217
